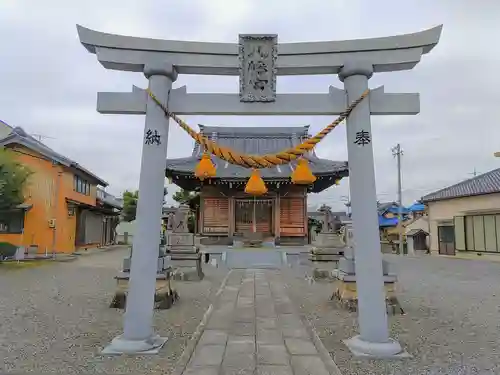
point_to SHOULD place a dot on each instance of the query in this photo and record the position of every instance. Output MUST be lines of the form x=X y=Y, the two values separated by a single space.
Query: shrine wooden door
x=254 y=215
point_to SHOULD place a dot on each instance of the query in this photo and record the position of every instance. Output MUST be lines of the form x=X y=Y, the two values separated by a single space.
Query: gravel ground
x=55 y=318
x=451 y=324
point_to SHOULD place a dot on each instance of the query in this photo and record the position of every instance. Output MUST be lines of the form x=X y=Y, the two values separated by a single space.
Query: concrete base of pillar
x=386 y=350
x=119 y=346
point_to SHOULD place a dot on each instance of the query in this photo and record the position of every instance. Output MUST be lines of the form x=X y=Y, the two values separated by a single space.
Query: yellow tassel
x=302 y=174
x=205 y=168
x=337 y=182
x=255 y=184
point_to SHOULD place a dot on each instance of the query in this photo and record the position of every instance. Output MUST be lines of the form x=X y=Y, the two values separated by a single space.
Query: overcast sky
x=48 y=81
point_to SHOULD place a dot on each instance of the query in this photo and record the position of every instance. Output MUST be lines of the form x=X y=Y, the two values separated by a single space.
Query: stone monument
x=165 y=295
x=345 y=286
x=354 y=61
x=329 y=245
x=185 y=256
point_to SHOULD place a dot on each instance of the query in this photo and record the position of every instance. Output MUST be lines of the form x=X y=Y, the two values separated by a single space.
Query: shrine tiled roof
x=252 y=140
x=486 y=183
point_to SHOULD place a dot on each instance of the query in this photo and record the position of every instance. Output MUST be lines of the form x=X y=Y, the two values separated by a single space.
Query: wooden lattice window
x=215 y=215
x=292 y=211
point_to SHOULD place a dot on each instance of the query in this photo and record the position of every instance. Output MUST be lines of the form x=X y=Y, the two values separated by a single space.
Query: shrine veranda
x=258 y=59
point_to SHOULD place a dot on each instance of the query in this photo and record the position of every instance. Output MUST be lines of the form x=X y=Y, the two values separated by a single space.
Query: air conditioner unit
x=52 y=223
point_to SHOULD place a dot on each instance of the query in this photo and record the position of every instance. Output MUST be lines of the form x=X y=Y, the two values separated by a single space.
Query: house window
x=80 y=185
x=482 y=233
x=12 y=222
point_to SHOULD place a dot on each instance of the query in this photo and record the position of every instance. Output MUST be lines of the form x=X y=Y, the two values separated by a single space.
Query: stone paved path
x=254 y=329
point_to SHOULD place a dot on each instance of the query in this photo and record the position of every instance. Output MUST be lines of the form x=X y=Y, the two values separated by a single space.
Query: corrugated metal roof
x=486 y=183
x=251 y=140
x=19 y=136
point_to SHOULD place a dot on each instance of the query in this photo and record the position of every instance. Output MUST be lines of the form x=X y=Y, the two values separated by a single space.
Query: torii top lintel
x=393 y=53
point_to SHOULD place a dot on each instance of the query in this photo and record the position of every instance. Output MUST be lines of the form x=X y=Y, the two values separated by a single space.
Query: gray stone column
x=372 y=314
x=138 y=335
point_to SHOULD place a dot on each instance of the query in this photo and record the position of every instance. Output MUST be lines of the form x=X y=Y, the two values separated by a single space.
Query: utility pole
x=397 y=152
x=474 y=172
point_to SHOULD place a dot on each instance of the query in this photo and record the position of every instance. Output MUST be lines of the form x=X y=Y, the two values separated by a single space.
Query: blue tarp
x=387 y=222
x=395 y=210
x=417 y=207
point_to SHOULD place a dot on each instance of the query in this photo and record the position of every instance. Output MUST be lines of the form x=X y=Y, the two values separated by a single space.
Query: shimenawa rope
x=258 y=161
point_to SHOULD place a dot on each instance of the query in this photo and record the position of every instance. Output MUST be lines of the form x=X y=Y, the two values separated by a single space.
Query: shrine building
x=227 y=212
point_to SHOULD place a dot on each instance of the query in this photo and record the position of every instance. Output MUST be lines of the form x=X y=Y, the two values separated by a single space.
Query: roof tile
x=485 y=183
x=252 y=140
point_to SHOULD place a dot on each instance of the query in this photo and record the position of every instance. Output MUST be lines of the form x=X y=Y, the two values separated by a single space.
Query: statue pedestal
x=329 y=247
x=165 y=295
x=345 y=289
x=185 y=257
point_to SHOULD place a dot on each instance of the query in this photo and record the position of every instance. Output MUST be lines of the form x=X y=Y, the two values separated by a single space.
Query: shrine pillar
x=374 y=338
x=138 y=335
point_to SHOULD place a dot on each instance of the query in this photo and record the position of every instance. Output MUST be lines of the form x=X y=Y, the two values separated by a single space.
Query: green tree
x=130 y=199
x=13 y=179
x=130 y=205
x=184 y=196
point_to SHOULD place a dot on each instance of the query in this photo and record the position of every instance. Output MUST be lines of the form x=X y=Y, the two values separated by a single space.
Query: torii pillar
x=373 y=339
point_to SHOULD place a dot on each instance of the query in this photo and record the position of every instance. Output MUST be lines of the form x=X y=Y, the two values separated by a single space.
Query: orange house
x=62 y=211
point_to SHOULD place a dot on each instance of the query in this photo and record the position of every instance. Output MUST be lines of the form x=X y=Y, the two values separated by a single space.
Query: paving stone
x=226 y=314
x=290 y=321
x=274 y=370
x=272 y=355
x=262 y=291
x=236 y=371
x=246 y=314
x=266 y=323
x=245 y=302
x=255 y=331
x=269 y=336
x=300 y=347
x=224 y=307
x=241 y=344
x=213 y=337
x=265 y=312
x=219 y=323
x=207 y=355
x=308 y=365
x=284 y=308
x=244 y=361
x=212 y=370
x=295 y=332
x=243 y=329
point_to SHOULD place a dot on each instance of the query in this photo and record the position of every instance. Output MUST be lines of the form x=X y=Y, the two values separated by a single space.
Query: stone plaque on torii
x=353 y=61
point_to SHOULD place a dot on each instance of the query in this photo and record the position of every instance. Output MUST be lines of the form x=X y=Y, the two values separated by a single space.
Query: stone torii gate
x=355 y=61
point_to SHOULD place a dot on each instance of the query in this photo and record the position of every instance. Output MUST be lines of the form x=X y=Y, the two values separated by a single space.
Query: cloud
x=49 y=81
